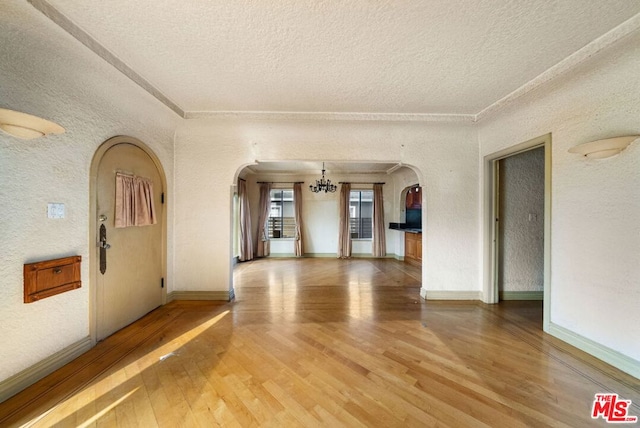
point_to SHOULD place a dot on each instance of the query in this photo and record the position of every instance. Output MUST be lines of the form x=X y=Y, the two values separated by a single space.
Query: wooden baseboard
x=31 y=375
x=225 y=296
x=608 y=355
x=450 y=295
x=521 y=295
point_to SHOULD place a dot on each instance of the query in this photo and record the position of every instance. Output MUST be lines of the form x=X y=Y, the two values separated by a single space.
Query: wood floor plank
x=326 y=342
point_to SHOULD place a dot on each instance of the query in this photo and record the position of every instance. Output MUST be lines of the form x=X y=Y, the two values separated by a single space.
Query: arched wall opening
x=320 y=210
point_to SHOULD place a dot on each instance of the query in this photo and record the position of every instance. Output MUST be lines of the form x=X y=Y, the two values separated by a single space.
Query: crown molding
x=330 y=116
x=86 y=39
x=569 y=63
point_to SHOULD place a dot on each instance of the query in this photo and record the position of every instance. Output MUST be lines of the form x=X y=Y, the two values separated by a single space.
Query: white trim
x=521 y=295
x=224 y=296
x=16 y=383
x=332 y=116
x=450 y=295
x=608 y=355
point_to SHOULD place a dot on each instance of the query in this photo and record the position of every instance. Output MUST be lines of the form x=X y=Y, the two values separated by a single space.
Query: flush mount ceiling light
x=601 y=149
x=26 y=126
x=323 y=185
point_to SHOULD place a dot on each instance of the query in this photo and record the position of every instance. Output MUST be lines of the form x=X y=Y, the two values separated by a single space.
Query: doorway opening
x=520 y=225
x=517 y=224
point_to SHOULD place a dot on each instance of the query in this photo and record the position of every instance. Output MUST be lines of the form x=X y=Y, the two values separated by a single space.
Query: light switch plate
x=55 y=210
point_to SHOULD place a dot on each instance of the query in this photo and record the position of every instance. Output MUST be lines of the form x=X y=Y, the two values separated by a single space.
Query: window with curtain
x=361 y=214
x=282 y=221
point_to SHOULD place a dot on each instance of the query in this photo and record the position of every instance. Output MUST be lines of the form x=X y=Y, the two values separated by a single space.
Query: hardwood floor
x=324 y=342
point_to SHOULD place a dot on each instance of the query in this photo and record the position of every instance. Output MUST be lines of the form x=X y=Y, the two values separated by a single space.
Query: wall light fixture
x=26 y=126
x=601 y=149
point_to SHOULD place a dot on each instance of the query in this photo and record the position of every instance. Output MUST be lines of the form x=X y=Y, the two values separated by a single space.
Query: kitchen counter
x=402 y=227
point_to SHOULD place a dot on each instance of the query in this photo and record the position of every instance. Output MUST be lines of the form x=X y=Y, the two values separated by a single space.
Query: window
x=361 y=214
x=282 y=223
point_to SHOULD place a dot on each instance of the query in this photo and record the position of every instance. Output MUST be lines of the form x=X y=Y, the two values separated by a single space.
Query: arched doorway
x=127 y=264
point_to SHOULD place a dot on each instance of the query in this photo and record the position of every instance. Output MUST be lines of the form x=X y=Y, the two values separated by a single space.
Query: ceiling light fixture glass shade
x=323 y=185
x=26 y=126
x=601 y=149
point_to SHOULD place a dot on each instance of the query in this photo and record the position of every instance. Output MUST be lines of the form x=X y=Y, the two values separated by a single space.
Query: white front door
x=130 y=287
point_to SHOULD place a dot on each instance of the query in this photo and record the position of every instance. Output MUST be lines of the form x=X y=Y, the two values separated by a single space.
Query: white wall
x=46 y=72
x=209 y=154
x=595 y=245
x=521 y=237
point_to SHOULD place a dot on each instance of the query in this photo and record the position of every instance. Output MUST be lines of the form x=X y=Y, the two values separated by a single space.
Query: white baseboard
x=450 y=295
x=200 y=295
x=608 y=355
x=16 y=383
x=521 y=295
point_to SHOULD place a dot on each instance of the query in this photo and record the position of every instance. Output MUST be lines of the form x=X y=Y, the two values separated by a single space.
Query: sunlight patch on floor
x=107 y=385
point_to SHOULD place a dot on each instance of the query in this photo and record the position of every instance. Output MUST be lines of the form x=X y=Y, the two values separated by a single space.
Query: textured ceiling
x=436 y=57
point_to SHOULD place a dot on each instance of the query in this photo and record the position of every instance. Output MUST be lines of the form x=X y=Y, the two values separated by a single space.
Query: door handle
x=102 y=243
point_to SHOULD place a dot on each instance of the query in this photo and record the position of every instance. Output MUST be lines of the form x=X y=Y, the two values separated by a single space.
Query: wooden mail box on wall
x=51 y=277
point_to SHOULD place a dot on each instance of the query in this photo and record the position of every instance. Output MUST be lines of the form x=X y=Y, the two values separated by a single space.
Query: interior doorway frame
x=490 y=246
x=93 y=223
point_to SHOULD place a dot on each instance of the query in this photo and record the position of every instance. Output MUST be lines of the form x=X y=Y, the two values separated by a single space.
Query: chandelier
x=323 y=185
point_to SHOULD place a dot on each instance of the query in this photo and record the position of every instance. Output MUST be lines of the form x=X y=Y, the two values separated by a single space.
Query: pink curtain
x=344 y=232
x=134 y=201
x=246 y=243
x=379 y=242
x=262 y=246
x=297 y=206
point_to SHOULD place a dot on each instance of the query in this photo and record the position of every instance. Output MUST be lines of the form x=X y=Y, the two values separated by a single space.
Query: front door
x=130 y=286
